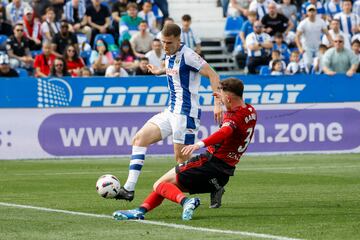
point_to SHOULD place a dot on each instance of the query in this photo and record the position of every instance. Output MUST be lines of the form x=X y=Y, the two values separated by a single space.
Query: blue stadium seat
x=3 y=39
x=265 y=70
x=108 y=38
x=22 y=72
x=233 y=26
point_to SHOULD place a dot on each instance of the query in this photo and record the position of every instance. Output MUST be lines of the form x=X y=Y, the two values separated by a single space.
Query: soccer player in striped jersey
x=183 y=68
x=208 y=171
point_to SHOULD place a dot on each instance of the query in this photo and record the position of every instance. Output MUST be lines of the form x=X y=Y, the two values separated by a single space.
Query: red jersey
x=44 y=63
x=232 y=139
x=75 y=64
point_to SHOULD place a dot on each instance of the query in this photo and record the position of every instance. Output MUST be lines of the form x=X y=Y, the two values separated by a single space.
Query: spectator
x=277 y=68
x=142 y=68
x=32 y=28
x=15 y=11
x=18 y=49
x=5 y=28
x=289 y=10
x=44 y=61
x=349 y=22
x=276 y=22
x=74 y=14
x=355 y=46
x=59 y=69
x=100 y=58
x=281 y=46
x=115 y=70
x=141 y=41
x=63 y=38
x=295 y=66
x=188 y=37
x=148 y=15
x=332 y=7
x=127 y=56
x=320 y=10
x=74 y=63
x=40 y=7
x=117 y=11
x=334 y=30
x=50 y=26
x=260 y=7
x=129 y=24
x=98 y=18
x=308 y=35
x=86 y=72
x=275 y=56
x=238 y=8
x=258 y=44
x=247 y=27
x=318 y=61
x=339 y=59
x=5 y=69
x=157 y=55
x=163 y=5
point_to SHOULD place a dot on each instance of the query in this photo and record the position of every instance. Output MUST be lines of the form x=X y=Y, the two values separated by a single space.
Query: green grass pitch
x=296 y=196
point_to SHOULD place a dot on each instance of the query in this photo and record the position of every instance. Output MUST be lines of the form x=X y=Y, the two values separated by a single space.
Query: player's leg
x=154 y=130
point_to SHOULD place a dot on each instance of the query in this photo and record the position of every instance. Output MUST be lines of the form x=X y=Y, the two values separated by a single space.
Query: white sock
x=136 y=163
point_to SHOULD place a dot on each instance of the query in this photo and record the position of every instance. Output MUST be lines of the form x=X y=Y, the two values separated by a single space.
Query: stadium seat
x=3 y=39
x=109 y=39
x=233 y=26
x=264 y=70
x=22 y=72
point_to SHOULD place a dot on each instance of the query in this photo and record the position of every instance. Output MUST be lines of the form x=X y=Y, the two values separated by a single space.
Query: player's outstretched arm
x=155 y=70
x=209 y=72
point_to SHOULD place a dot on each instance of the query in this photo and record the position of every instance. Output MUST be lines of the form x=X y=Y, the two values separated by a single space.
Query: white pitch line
x=170 y=225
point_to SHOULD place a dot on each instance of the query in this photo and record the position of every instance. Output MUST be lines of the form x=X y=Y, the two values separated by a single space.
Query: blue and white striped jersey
x=182 y=71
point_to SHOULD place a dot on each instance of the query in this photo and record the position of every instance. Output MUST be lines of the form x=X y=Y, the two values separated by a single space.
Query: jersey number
x=246 y=141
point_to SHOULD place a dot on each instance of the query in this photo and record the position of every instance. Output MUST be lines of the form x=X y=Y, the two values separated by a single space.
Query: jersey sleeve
x=227 y=128
x=194 y=60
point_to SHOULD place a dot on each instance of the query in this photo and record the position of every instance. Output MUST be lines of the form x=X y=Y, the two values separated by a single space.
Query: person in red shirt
x=74 y=63
x=44 y=61
x=210 y=171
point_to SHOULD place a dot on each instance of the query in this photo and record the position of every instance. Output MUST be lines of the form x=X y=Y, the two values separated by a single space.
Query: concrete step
x=218 y=56
x=223 y=65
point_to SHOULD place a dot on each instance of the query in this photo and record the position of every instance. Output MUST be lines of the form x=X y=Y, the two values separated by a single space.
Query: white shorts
x=182 y=128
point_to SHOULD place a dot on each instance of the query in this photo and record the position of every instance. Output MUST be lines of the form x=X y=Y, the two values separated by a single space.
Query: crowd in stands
x=285 y=37
x=112 y=38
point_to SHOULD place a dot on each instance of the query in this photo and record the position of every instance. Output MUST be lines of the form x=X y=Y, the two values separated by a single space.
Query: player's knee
x=137 y=140
x=156 y=184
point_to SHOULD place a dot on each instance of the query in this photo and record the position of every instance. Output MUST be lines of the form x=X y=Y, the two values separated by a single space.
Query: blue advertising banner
x=152 y=91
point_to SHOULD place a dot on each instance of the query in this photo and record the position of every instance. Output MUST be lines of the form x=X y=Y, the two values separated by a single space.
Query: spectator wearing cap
x=74 y=14
x=17 y=47
x=157 y=55
x=50 y=26
x=338 y=59
x=334 y=30
x=63 y=39
x=349 y=22
x=116 y=69
x=32 y=28
x=5 y=69
x=188 y=37
x=98 y=18
x=308 y=35
x=141 y=41
x=15 y=11
x=44 y=61
x=258 y=44
x=320 y=10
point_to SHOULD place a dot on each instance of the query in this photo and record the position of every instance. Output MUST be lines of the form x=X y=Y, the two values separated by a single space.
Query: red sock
x=152 y=201
x=170 y=191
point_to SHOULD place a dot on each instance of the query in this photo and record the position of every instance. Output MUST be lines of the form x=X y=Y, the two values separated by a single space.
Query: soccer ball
x=108 y=186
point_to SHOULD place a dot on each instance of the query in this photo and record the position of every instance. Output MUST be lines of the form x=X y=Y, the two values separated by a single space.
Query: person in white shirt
x=308 y=35
x=115 y=69
x=157 y=55
x=334 y=30
x=260 y=7
x=349 y=22
x=258 y=44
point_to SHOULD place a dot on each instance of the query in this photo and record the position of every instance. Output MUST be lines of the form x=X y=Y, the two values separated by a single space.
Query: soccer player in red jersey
x=208 y=171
